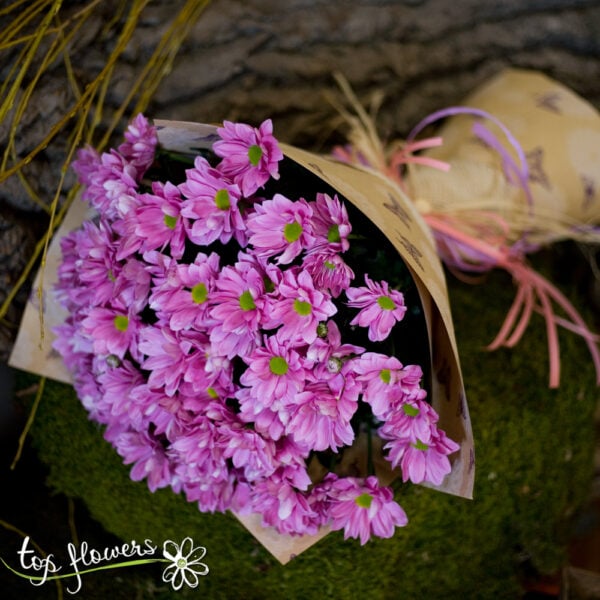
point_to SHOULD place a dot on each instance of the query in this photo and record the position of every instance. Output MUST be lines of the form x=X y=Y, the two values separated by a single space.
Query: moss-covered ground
x=534 y=464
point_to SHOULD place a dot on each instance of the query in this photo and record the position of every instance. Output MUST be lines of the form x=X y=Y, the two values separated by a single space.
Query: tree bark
x=249 y=60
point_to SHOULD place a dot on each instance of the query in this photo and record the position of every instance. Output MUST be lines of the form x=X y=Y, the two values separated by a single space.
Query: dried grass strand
x=29 y=423
x=88 y=93
x=56 y=48
x=63 y=25
x=29 y=55
x=23 y=19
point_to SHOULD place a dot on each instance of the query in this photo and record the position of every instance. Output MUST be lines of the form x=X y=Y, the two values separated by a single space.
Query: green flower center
x=419 y=445
x=121 y=323
x=269 y=285
x=292 y=231
x=181 y=563
x=410 y=410
x=199 y=293
x=254 y=154
x=385 y=375
x=302 y=308
x=278 y=365
x=170 y=221
x=247 y=301
x=211 y=392
x=386 y=303
x=364 y=500
x=329 y=265
x=222 y=200
x=333 y=235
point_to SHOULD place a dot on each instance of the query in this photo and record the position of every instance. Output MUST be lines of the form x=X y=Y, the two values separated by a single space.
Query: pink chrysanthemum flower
x=248 y=450
x=379 y=375
x=155 y=223
x=151 y=461
x=299 y=308
x=166 y=415
x=250 y=156
x=86 y=165
x=172 y=356
x=140 y=144
x=271 y=273
x=197 y=449
x=361 y=508
x=197 y=400
x=211 y=205
x=237 y=309
x=329 y=271
x=201 y=377
x=68 y=272
x=268 y=422
x=89 y=268
x=85 y=367
x=212 y=495
x=330 y=224
x=113 y=331
x=182 y=297
x=132 y=285
x=75 y=347
x=321 y=417
x=118 y=381
x=218 y=370
x=138 y=404
x=422 y=461
x=284 y=507
x=412 y=419
x=275 y=374
x=110 y=184
x=280 y=227
x=89 y=393
x=291 y=455
x=381 y=308
x=206 y=480
x=200 y=466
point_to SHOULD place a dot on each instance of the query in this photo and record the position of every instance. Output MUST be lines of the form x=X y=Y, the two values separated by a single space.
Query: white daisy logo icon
x=186 y=565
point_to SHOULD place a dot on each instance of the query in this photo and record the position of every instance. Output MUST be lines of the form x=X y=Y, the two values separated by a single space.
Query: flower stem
x=370 y=465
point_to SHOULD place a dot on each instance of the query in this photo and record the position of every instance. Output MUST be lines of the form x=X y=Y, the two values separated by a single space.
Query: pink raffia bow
x=530 y=286
x=465 y=252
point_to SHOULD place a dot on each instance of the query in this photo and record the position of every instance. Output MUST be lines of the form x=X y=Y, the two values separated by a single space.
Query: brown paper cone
x=560 y=135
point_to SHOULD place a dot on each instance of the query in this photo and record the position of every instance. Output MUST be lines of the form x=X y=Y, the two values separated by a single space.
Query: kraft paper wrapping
x=392 y=211
x=559 y=133
x=33 y=350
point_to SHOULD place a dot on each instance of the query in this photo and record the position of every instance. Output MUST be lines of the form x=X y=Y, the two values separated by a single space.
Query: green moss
x=534 y=463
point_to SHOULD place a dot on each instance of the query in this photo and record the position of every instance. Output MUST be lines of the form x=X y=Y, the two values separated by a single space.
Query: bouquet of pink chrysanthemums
x=236 y=337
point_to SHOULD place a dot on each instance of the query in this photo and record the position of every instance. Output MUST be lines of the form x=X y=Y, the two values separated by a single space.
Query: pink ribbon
x=530 y=286
x=406 y=156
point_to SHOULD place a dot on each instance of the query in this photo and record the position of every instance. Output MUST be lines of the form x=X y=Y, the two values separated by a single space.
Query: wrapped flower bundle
x=137 y=336
x=237 y=337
